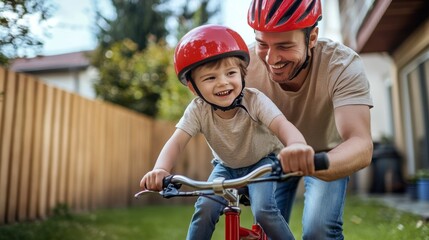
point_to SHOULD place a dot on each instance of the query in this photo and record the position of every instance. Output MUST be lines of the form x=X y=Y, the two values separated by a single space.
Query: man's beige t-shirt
x=336 y=78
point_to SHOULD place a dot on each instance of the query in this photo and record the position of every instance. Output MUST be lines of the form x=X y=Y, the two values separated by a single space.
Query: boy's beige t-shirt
x=240 y=141
x=336 y=78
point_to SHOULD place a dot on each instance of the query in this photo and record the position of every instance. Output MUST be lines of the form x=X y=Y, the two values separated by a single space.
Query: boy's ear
x=191 y=87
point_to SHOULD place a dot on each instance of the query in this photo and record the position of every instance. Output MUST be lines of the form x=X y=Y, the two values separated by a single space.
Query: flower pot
x=423 y=189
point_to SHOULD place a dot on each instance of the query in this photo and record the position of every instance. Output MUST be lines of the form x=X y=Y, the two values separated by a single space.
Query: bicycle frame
x=228 y=189
x=233 y=228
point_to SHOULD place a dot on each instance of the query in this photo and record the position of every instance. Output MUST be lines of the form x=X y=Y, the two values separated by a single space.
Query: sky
x=70 y=28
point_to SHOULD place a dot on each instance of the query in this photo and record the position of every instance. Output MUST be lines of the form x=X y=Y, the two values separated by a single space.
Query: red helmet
x=280 y=16
x=207 y=43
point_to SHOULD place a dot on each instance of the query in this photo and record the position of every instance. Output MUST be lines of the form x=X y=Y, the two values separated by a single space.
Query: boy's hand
x=297 y=157
x=153 y=180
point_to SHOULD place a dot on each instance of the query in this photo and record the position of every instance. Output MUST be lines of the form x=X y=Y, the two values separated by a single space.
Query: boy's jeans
x=262 y=196
x=323 y=206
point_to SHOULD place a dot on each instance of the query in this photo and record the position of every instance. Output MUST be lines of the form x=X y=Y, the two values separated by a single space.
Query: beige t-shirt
x=336 y=78
x=240 y=141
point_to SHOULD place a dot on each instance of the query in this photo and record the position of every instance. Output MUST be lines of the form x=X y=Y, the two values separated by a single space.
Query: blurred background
x=88 y=87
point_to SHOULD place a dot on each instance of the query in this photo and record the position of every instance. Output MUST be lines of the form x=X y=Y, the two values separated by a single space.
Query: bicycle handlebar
x=321 y=162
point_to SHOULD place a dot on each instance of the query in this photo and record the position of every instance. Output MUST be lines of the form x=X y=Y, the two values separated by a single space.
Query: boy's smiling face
x=219 y=83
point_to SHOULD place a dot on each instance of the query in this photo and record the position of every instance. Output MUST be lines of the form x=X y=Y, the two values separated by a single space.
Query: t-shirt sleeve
x=351 y=85
x=265 y=108
x=190 y=122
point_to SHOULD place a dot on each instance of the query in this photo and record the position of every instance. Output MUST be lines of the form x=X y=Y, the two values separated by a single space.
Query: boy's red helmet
x=283 y=15
x=206 y=43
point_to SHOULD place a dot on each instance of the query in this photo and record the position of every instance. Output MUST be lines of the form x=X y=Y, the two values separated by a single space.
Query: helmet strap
x=304 y=65
x=307 y=57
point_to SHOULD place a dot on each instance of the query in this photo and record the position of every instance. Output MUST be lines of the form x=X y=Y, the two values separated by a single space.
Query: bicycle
x=233 y=190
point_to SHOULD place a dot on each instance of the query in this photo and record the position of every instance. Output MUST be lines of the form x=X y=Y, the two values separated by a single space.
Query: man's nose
x=272 y=57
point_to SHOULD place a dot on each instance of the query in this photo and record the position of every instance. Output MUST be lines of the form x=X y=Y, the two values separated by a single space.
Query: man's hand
x=153 y=179
x=297 y=157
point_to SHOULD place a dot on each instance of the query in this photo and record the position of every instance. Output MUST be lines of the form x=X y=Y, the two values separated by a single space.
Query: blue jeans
x=263 y=205
x=323 y=206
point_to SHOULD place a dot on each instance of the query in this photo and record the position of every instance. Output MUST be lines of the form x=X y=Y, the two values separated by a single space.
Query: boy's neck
x=226 y=114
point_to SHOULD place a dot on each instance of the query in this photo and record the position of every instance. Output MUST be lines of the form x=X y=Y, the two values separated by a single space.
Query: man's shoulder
x=254 y=95
x=325 y=45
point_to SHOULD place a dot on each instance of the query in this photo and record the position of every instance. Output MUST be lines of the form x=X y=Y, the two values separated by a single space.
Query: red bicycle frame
x=233 y=230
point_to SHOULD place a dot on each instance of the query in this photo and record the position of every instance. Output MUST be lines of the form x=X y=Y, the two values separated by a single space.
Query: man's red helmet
x=283 y=15
x=207 y=43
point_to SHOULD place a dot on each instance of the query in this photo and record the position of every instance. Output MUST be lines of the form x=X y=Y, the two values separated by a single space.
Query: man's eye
x=262 y=45
x=284 y=47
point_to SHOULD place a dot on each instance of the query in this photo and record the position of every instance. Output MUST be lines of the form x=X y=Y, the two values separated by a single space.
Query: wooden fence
x=59 y=148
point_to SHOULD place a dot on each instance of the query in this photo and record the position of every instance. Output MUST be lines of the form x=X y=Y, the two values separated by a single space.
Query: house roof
x=390 y=23
x=61 y=62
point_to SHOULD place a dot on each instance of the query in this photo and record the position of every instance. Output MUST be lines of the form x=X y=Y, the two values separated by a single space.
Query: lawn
x=362 y=220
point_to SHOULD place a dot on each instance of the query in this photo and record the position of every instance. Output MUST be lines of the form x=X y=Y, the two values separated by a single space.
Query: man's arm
x=355 y=152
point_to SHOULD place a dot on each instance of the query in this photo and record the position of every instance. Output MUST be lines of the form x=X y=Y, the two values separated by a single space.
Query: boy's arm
x=166 y=160
x=297 y=155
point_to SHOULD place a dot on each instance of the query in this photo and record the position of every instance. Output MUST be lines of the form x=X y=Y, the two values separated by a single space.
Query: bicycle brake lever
x=170 y=191
x=141 y=193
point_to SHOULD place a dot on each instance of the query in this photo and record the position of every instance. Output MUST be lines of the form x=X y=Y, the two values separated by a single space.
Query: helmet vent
x=307 y=11
x=288 y=13
x=273 y=10
x=252 y=11
x=259 y=10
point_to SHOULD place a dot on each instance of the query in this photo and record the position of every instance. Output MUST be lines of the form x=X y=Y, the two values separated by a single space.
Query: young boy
x=242 y=126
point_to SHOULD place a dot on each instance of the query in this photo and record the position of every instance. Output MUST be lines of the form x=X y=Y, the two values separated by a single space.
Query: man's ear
x=191 y=87
x=313 y=37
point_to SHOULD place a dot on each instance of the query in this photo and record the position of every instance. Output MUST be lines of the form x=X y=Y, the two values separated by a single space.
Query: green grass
x=362 y=220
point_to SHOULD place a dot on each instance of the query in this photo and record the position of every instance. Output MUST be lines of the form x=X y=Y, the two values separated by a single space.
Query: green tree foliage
x=15 y=29
x=190 y=18
x=129 y=75
x=136 y=20
x=174 y=97
x=135 y=63
x=132 y=78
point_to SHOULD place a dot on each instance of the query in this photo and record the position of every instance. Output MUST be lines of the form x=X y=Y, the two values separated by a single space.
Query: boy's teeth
x=222 y=93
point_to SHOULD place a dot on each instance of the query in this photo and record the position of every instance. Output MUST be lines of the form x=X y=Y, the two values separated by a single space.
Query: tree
x=135 y=82
x=189 y=19
x=134 y=61
x=136 y=20
x=15 y=33
x=125 y=78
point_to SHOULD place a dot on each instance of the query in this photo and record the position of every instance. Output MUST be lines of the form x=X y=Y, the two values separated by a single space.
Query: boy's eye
x=208 y=78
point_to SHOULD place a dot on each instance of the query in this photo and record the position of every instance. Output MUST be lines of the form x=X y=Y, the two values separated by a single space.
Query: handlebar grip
x=167 y=181
x=321 y=161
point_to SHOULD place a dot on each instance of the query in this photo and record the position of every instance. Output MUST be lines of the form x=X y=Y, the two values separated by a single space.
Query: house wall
x=407 y=55
x=77 y=81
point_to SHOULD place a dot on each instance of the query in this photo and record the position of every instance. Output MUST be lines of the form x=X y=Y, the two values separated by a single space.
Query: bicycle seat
x=243 y=194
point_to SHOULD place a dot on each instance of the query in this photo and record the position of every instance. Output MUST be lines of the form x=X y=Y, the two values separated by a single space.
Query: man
x=321 y=87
